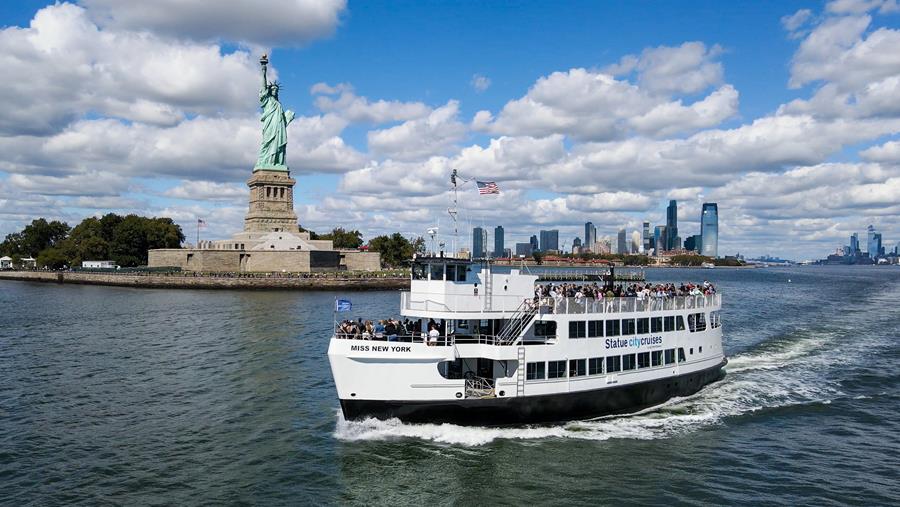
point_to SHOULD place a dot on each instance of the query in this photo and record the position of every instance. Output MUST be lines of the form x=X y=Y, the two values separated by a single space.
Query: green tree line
x=124 y=240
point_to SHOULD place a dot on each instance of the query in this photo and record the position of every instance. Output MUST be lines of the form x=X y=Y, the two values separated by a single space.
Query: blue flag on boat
x=342 y=305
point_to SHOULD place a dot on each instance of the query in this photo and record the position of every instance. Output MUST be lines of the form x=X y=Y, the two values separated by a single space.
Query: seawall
x=181 y=281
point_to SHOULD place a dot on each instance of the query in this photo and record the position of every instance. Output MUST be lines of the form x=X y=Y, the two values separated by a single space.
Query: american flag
x=487 y=187
x=201 y=222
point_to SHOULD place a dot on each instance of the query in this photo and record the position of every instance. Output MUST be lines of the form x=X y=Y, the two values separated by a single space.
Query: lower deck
x=548 y=408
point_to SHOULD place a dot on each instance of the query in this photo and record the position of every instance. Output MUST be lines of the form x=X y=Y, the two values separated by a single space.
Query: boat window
x=656 y=358
x=437 y=271
x=461 y=273
x=613 y=364
x=656 y=325
x=577 y=329
x=669 y=322
x=643 y=360
x=595 y=366
x=577 y=367
x=545 y=328
x=643 y=326
x=715 y=319
x=612 y=328
x=419 y=272
x=670 y=356
x=534 y=371
x=556 y=369
x=451 y=369
x=681 y=357
x=451 y=272
x=679 y=323
x=595 y=328
x=628 y=362
x=696 y=322
x=627 y=326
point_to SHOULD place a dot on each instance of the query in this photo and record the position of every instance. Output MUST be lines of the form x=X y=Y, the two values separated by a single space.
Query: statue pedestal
x=279 y=168
x=271 y=202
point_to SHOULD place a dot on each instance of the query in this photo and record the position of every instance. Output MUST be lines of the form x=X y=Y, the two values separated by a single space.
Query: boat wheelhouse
x=484 y=346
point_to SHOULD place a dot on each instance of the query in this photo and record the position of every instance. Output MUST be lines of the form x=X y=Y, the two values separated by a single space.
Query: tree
x=538 y=257
x=134 y=235
x=396 y=249
x=344 y=239
x=52 y=258
x=37 y=236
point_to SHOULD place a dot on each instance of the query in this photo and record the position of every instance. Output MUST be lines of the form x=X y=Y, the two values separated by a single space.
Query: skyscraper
x=659 y=238
x=671 y=224
x=498 y=242
x=854 y=243
x=576 y=244
x=622 y=244
x=523 y=249
x=647 y=237
x=709 y=230
x=550 y=240
x=479 y=241
x=535 y=247
x=590 y=234
x=874 y=242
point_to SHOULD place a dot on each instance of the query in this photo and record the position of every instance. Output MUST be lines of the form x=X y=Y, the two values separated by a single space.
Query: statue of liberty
x=274 y=120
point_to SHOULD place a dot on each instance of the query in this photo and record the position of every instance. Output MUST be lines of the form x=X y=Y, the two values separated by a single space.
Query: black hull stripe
x=537 y=409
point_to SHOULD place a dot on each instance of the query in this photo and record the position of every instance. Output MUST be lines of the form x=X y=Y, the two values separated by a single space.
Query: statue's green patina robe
x=274 y=120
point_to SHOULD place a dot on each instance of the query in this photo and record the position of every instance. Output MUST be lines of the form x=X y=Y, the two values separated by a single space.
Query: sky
x=786 y=114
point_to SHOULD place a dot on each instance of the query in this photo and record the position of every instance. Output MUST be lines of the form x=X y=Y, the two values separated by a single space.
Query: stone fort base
x=263 y=261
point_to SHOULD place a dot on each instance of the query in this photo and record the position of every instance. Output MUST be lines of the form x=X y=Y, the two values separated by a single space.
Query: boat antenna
x=454 y=210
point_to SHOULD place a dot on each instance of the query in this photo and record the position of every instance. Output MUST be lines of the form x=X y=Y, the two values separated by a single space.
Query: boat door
x=486 y=369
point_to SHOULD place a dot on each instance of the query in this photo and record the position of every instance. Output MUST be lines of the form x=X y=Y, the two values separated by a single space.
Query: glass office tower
x=709 y=230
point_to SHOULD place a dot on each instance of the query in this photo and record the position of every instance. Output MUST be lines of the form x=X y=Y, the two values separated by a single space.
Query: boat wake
x=783 y=371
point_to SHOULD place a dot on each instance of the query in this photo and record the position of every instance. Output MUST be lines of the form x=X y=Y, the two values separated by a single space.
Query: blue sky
x=596 y=111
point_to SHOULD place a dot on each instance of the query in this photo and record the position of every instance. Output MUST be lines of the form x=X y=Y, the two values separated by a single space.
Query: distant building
x=524 y=249
x=672 y=225
x=499 y=251
x=479 y=242
x=648 y=239
x=660 y=239
x=874 y=245
x=636 y=245
x=576 y=244
x=549 y=240
x=709 y=229
x=692 y=243
x=622 y=243
x=99 y=264
x=854 y=244
x=590 y=234
x=535 y=246
x=6 y=262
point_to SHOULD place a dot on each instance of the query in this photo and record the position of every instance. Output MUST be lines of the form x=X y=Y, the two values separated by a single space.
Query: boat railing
x=479 y=387
x=627 y=304
x=513 y=304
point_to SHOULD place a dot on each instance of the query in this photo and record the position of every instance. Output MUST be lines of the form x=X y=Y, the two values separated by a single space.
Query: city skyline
x=133 y=108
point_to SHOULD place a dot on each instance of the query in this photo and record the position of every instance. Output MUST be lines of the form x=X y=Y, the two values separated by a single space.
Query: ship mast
x=454 y=210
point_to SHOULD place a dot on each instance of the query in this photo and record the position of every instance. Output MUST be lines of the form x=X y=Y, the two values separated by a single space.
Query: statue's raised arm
x=273 y=149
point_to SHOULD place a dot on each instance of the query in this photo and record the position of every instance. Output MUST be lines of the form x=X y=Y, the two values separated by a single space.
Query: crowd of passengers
x=393 y=330
x=591 y=294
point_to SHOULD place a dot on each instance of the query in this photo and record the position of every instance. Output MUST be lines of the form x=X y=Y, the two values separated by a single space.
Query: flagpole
x=198 y=233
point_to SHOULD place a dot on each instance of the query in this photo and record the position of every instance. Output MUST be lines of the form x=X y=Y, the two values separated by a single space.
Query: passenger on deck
x=433 y=335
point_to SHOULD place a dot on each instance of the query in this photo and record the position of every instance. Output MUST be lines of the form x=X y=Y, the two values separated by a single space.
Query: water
x=145 y=397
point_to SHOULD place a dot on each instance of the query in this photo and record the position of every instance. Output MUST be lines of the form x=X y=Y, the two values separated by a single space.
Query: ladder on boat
x=520 y=373
x=488 y=288
x=517 y=323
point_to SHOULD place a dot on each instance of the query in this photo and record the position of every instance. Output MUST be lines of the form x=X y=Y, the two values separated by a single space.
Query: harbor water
x=119 y=396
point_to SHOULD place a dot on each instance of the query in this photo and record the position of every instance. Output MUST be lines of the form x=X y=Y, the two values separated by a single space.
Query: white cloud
x=594 y=106
x=480 y=83
x=209 y=191
x=358 y=109
x=688 y=68
x=275 y=22
x=65 y=67
x=888 y=152
x=420 y=138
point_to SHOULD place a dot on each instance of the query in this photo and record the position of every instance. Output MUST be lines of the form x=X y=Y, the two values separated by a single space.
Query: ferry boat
x=500 y=355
